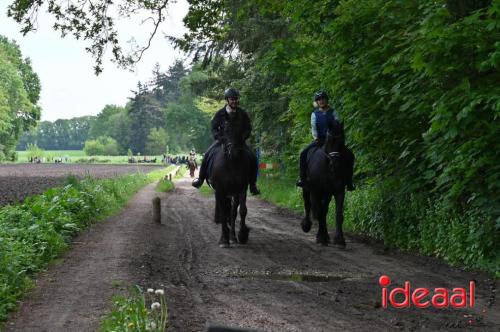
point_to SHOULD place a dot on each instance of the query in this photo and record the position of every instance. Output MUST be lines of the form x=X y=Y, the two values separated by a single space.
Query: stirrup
x=197 y=183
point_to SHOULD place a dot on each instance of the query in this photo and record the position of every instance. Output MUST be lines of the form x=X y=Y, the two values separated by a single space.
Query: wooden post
x=156 y=210
x=170 y=177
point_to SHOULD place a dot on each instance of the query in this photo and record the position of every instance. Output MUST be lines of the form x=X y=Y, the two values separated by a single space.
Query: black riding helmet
x=320 y=95
x=231 y=93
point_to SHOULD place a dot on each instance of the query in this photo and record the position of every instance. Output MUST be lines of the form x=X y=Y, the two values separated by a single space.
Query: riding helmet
x=231 y=93
x=320 y=95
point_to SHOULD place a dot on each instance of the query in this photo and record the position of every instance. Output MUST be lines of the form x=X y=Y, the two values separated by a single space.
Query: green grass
x=138 y=312
x=34 y=233
x=206 y=191
x=281 y=191
x=164 y=186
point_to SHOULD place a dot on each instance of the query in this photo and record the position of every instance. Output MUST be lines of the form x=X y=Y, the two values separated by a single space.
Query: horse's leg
x=306 y=222
x=339 y=240
x=244 y=230
x=223 y=218
x=234 y=213
x=322 y=236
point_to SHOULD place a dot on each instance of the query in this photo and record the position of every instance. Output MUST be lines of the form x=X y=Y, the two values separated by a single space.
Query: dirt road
x=280 y=281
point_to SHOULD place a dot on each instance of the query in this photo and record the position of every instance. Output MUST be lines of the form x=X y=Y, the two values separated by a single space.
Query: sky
x=69 y=85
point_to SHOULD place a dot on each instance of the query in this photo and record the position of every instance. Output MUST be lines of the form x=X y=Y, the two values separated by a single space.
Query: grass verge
x=138 y=312
x=34 y=233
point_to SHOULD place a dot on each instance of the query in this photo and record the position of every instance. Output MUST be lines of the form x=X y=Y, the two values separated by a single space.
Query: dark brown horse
x=324 y=180
x=231 y=166
x=192 y=166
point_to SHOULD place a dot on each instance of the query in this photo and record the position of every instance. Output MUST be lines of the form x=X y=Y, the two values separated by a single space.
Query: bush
x=102 y=146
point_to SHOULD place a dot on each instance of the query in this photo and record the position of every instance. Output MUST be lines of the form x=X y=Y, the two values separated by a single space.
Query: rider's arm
x=314 y=130
x=216 y=124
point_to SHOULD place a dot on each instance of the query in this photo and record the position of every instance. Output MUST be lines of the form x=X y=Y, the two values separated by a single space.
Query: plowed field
x=18 y=181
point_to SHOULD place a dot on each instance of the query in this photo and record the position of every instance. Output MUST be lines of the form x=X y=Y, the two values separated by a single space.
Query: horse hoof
x=243 y=235
x=323 y=240
x=306 y=225
x=224 y=245
x=233 y=241
x=339 y=243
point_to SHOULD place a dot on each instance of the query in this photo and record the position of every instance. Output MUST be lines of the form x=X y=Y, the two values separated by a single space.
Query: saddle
x=331 y=156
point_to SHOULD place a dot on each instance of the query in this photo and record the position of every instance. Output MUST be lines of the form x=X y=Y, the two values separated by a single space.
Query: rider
x=232 y=97
x=321 y=119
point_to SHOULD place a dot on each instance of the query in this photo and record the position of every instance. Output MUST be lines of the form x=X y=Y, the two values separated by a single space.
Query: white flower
x=151 y=290
x=155 y=305
x=159 y=292
x=152 y=325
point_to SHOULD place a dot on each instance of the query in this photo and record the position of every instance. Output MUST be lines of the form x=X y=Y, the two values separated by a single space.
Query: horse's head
x=333 y=145
x=233 y=138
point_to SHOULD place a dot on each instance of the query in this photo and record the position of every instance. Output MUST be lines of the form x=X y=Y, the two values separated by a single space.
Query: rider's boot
x=350 y=186
x=197 y=183
x=254 y=190
x=301 y=182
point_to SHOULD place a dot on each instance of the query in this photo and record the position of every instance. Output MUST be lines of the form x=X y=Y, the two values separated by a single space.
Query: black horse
x=324 y=180
x=231 y=166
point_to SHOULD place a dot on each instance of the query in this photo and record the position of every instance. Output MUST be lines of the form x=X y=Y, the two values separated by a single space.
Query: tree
x=94 y=22
x=19 y=94
x=144 y=113
x=157 y=141
x=102 y=125
x=62 y=134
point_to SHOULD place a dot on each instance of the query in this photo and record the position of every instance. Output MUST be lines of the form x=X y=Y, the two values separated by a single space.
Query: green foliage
x=62 y=134
x=157 y=141
x=281 y=191
x=164 y=185
x=139 y=312
x=103 y=121
x=425 y=225
x=102 y=146
x=34 y=233
x=19 y=94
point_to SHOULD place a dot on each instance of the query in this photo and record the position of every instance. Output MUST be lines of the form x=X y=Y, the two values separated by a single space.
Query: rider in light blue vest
x=322 y=118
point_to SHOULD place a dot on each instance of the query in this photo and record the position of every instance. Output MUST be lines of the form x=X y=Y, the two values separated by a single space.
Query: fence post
x=157 y=210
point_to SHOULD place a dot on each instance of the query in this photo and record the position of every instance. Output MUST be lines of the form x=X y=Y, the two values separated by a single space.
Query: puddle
x=297 y=277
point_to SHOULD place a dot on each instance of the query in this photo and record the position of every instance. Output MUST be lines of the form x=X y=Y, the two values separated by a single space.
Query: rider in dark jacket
x=322 y=118
x=232 y=97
